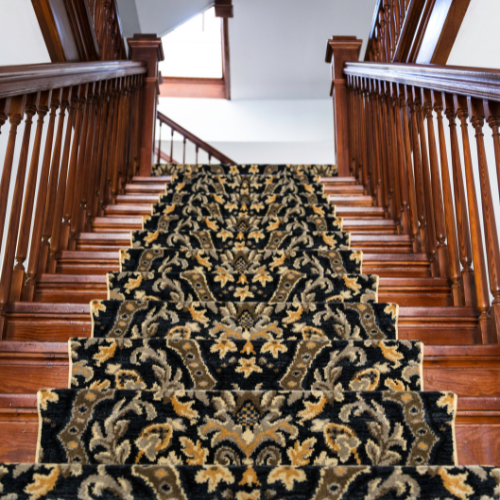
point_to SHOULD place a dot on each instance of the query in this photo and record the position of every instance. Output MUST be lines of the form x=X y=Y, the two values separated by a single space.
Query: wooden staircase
x=34 y=352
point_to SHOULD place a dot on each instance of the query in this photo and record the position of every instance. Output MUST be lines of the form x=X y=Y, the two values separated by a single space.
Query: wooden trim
x=18 y=80
x=450 y=30
x=474 y=82
x=211 y=88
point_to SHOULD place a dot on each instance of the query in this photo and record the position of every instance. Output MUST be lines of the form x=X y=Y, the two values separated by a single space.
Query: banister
x=17 y=80
x=391 y=136
x=199 y=143
x=481 y=83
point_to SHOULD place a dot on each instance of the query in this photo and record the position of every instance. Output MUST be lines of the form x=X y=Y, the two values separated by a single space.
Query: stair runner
x=242 y=354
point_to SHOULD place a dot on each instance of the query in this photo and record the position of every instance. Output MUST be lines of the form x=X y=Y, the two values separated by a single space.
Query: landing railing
x=425 y=176
x=89 y=140
x=173 y=129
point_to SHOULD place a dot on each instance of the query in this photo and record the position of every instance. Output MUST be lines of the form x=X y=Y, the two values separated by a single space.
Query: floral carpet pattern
x=242 y=354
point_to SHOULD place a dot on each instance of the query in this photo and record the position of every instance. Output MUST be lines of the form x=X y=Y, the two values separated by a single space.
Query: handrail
x=188 y=136
x=481 y=83
x=394 y=118
x=77 y=163
x=16 y=80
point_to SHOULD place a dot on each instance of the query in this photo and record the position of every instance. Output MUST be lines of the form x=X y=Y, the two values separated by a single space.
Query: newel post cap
x=342 y=49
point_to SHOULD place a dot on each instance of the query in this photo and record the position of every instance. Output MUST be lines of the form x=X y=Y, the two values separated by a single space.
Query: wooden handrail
x=77 y=163
x=188 y=136
x=393 y=116
x=17 y=80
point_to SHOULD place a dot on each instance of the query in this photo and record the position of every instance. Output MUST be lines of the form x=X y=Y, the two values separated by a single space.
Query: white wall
x=478 y=40
x=21 y=41
x=270 y=131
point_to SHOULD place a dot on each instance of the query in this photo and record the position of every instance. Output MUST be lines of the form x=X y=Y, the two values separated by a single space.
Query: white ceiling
x=277 y=46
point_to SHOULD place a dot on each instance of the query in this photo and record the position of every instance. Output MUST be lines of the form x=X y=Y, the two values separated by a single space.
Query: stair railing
x=397 y=147
x=187 y=137
x=94 y=132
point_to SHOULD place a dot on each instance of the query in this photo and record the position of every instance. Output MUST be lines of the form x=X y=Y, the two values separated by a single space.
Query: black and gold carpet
x=243 y=354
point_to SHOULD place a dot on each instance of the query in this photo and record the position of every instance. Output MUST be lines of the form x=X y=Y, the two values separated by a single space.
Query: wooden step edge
x=101 y=278
x=156 y=178
x=431 y=352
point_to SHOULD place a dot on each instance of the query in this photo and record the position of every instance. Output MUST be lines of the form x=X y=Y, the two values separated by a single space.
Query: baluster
x=438 y=213
x=158 y=156
x=197 y=150
x=16 y=112
x=184 y=151
x=492 y=114
x=381 y=147
x=29 y=199
x=412 y=192
x=362 y=138
x=171 y=145
x=395 y=191
x=92 y=188
x=43 y=191
x=123 y=164
x=375 y=154
x=133 y=120
x=117 y=134
x=396 y=5
x=429 y=202
x=102 y=151
x=477 y=116
x=87 y=162
x=351 y=124
x=15 y=211
x=74 y=162
x=453 y=269
x=464 y=240
x=209 y=159
x=400 y=160
x=4 y=105
x=418 y=171
x=83 y=153
x=390 y=29
x=388 y=169
x=70 y=98
x=372 y=174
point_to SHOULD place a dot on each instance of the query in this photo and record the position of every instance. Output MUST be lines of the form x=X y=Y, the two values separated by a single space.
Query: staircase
x=34 y=353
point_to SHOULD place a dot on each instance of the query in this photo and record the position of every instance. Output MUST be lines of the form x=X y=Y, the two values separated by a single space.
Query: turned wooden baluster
x=381 y=120
x=482 y=293
x=74 y=163
x=158 y=156
x=184 y=151
x=412 y=192
x=105 y=189
x=363 y=168
x=81 y=167
x=376 y=155
x=390 y=29
x=418 y=171
x=15 y=211
x=400 y=160
x=357 y=163
x=92 y=187
x=197 y=150
x=368 y=143
x=429 y=202
x=29 y=199
x=492 y=114
x=16 y=111
x=437 y=199
x=390 y=166
x=394 y=187
x=453 y=269
x=464 y=241
x=4 y=105
x=52 y=231
x=121 y=168
x=383 y=39
x=477 y=114
x=113 y=158
x=43 y=191
x=352 y=122
x=101 y=151
x=87 y=162
x=396 y=9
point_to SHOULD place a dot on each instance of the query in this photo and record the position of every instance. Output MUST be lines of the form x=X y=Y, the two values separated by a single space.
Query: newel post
x=340 y=50
x=148 y=49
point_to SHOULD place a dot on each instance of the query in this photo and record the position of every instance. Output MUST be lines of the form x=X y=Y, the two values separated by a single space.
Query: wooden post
x=339 y=50
x=148 y=49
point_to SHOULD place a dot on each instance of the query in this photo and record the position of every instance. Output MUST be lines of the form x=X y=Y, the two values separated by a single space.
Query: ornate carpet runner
x=242 y=354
